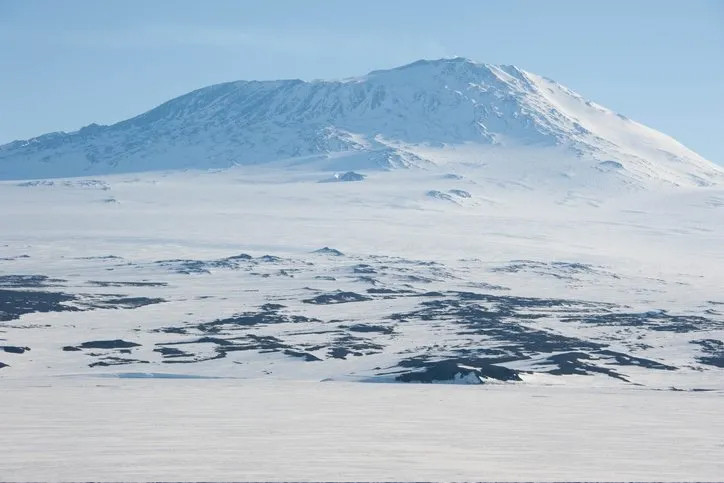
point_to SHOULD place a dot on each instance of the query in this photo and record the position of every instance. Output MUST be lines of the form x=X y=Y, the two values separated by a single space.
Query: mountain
x=480 y=224
x=424 y=113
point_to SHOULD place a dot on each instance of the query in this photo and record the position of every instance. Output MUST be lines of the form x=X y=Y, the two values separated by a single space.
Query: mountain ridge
x=381 y=118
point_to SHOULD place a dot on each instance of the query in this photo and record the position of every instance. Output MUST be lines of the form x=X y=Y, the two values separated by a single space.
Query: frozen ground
x=594 y=322
x=269 y=273
x=69 y=429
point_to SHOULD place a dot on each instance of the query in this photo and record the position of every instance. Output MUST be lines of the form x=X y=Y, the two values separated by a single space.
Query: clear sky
x=67 y=63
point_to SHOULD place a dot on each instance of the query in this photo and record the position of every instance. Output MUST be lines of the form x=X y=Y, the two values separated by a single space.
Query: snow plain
x=269 y=417
x=255 y=322
x=231 y=430
x=654 y=257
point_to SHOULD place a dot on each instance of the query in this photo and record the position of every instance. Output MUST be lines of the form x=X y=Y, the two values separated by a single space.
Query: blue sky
x=65 y=64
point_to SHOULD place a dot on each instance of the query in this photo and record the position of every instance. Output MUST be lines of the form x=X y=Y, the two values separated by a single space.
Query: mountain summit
x=414 y=115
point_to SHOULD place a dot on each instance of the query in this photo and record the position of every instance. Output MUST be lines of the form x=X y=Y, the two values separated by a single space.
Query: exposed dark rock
x=103 y=283
x=171 y=352
x=338 y=352
x=115 y=361
x=14 y=349
x=628 y=360
x=108 y=344
x=450 y=370
x=573 y=363
x=371 y=328
x=269 y=259
x=268 y=316
x=338 y=297
x=388 y=291
x=653 y=320
x=329 y=251
x=305 y=355
x=240 y=257
x=271 y=307
x=714 y=350
x=186 y=267
x=14 y=303
x=115 y=302
x=29 y=281
x=560 y=270
x=497 y=318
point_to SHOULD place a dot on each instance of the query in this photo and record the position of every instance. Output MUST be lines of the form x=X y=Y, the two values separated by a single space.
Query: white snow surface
x=224 y=430
x=654 y=256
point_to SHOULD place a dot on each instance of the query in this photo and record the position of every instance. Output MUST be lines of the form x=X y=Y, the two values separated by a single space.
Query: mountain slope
x=388 y=118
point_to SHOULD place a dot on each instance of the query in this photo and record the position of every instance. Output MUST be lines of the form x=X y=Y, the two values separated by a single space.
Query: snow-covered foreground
x=427 y=275
x=104 y=429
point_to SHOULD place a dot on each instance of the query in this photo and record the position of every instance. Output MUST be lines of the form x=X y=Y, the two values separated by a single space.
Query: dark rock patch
x=171 y=352
x=103 y=283
x=115 y=302
x=658 y=320
x=14 y=349
x=713 y=350
x=222 y=347
x=267 y=316
x=629 y=360
x=338 y=297
x=388 y=291
x=115 y=361
x=102 y=257
x=272 y=307
x=349 y=344
x=185 y=267
x=561 y=270
x=338 y=352
x=450 y=370
x=172 y=330
x=371 y=328
x=239 y=257
x=499 y=320
x=329 y=251
x=108 y=344
x=574 y=363
x=305 y=355
x=14 y=303
x=29 y=281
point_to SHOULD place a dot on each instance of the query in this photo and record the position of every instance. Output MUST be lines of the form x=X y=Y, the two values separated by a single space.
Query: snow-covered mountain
x=519 y=247
x=427 y=112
